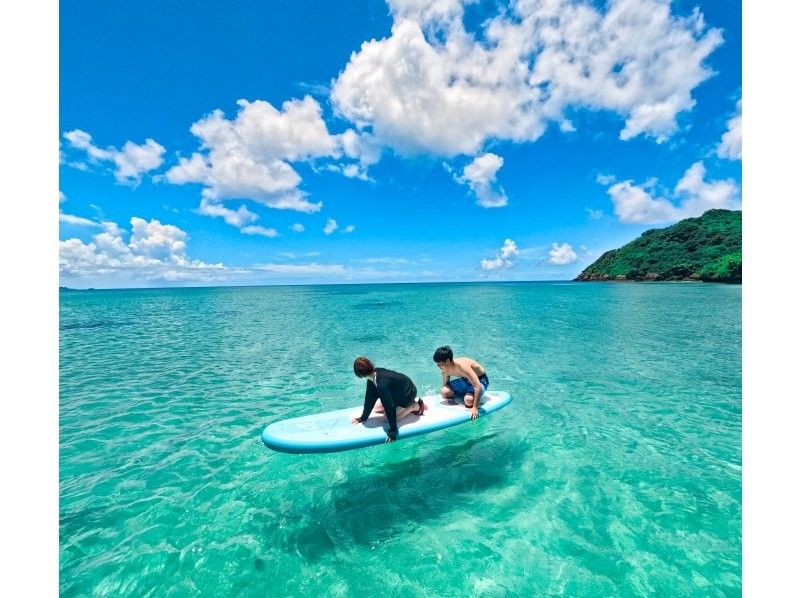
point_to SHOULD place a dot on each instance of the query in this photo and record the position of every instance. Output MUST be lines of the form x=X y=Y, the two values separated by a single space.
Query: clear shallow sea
x=616 y=471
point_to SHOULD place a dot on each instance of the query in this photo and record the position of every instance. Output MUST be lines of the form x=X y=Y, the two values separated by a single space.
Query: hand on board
x=474 y=412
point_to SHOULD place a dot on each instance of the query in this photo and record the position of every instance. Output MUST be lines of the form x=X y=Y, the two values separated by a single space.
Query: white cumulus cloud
x=360 y=146
x=508 y=249
x=561 y=255
x=634 y=203
x=730 y=146
x=131 y=162
x=433 y=86
x=495 y=263
x=692 y=196
x=238 y=218
x=152 y=252
x=249 y=157
x=697 y=195
x=241 y=218
x=502 y=260
x=481 y=176
x=157 y=241
x=330 y=226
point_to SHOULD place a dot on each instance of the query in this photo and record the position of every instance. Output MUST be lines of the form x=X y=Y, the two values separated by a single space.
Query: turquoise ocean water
x=616 y=471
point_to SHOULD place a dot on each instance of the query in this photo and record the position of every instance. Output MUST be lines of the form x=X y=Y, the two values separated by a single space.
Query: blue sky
x=243 y=143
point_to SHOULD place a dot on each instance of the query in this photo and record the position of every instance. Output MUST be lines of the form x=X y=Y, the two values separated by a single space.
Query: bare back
x=464 y=365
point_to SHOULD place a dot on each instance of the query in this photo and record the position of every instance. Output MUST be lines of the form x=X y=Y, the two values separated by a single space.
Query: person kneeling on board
x=471 y=383
x=396 y=391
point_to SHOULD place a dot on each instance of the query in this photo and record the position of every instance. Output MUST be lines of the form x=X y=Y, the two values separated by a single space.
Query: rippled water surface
x=615 y=471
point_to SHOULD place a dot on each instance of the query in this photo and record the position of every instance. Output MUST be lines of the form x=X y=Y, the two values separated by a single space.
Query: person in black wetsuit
x=395 y=390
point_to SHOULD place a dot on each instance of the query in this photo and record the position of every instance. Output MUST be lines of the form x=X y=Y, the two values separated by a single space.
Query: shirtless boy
x=471 y=382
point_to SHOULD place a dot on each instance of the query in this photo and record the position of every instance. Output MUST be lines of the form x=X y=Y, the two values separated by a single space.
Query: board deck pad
x=332 y=431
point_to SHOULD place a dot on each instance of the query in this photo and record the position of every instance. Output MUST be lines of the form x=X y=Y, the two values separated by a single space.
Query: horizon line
x=308 y=284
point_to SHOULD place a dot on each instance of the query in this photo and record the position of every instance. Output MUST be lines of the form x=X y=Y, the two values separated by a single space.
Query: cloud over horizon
x=502 y=260
x=692 y=196
x=561 y=255
x=152 y=252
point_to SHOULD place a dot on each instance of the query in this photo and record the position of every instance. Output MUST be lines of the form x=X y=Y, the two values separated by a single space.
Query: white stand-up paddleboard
x=333 y=431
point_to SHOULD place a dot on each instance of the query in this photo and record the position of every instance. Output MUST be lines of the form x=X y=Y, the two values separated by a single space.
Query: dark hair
x=443 y=354
x=363 y=367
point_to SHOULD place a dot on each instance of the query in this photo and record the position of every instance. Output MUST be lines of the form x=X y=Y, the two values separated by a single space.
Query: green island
x=707 y=248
